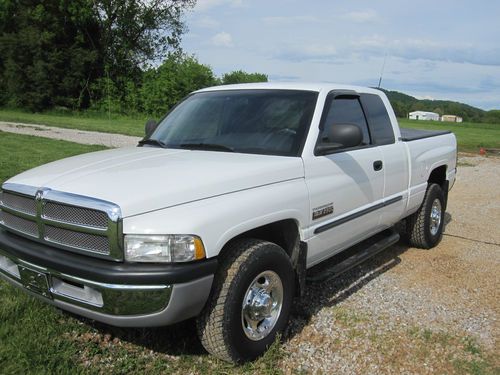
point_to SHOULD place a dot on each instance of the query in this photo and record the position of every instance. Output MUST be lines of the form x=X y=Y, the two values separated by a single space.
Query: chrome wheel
x=262 y=305
x=436 y=213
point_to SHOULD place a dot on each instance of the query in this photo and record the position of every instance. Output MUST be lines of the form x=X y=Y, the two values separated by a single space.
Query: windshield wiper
x=153 y=142
x=206 y=146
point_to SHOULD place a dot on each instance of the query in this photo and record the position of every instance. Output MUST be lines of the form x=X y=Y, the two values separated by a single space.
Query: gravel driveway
x=413 y=311
x=407 y=311
x=71 y=135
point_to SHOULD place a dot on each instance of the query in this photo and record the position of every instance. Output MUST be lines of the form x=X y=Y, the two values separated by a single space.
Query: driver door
x=345 y=186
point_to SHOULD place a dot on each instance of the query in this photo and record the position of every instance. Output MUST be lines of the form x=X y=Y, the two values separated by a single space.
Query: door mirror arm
x=150 y=127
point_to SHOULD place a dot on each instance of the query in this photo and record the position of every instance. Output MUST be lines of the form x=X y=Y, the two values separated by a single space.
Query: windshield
x=271 y=122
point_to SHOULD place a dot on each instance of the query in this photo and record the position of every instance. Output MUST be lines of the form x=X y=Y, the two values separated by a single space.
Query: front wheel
x=425 y=227
x=250 y=301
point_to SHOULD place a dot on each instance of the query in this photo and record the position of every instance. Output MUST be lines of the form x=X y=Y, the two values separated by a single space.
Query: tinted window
x=272 y=122
x=346 y=111
x=378 y=119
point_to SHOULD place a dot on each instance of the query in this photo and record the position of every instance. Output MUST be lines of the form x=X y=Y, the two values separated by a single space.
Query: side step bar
x=353 y=256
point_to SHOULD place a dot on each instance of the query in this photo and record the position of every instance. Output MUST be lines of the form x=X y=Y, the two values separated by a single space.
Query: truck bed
x=409 y=135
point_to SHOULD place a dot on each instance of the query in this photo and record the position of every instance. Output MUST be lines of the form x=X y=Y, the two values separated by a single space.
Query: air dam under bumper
x=119 y=294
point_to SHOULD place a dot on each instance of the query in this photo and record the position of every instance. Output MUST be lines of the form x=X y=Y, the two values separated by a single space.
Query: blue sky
x=435 y=49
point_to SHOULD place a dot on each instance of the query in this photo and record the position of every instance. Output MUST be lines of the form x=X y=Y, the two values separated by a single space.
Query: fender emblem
x=321 y=211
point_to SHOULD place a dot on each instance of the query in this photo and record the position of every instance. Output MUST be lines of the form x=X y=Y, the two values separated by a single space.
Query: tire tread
x=416 y=227
x=210 y=325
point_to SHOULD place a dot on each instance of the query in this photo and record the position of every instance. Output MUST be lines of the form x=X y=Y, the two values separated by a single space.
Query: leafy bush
x=164 y=86
x=239 y=76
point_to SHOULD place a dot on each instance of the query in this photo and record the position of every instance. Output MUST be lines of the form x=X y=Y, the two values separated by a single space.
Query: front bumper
x=119 y=294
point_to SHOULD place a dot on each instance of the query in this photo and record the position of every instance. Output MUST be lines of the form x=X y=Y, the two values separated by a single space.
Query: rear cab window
x=378 y=119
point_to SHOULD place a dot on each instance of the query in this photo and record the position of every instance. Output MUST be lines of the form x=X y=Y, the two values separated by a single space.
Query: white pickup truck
x=221 y=209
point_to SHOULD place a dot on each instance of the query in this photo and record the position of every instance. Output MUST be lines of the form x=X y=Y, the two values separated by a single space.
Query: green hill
x=403 y=104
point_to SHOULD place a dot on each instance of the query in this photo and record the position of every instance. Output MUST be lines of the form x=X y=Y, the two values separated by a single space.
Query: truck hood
x=143 y=179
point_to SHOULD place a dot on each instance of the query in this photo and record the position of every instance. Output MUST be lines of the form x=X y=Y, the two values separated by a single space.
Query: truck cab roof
x=304 y=86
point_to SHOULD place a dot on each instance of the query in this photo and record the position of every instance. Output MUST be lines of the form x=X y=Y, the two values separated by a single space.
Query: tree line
x=118 y=55
x=123 y=56
x=404 y=104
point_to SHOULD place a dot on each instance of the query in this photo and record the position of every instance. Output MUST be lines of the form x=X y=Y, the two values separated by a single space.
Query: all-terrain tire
x=423 y=229
x=220 y=324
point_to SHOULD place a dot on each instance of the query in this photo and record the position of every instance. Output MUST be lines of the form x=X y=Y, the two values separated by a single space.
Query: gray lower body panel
x=114 y=304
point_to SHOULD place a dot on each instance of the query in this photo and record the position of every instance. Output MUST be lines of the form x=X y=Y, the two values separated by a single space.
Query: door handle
x=377 y=165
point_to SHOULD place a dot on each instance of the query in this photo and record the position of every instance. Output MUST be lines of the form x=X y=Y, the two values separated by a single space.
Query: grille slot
x=67 y=221
x=19 y=224
x=78 y=240
x=19 y=203
x=75 y=215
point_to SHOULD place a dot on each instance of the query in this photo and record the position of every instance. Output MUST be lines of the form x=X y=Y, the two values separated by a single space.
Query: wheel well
x=284 y=233
x=438 y=176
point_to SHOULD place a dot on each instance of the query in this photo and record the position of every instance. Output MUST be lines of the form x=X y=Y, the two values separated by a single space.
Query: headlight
x=168 y=248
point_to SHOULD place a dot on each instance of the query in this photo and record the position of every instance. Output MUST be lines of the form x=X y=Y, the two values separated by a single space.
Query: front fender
x=219 y=219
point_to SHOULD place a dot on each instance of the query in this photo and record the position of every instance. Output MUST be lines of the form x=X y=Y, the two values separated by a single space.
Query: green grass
x=19 y=153
x=82 y=121
x=470 y=136
x=35 y=338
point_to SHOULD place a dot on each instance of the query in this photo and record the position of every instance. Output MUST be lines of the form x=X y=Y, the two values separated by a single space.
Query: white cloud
x=372 y=41
x=207 y=23
x=425 y=97
x=222 y=39
x=202 y=5
x=348 y=41
x=361 y=16
x=426 y=49
x=309 y=52
x=280 y=20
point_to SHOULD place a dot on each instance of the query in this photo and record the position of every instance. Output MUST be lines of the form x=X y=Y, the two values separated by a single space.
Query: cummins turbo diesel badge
x=321 y=211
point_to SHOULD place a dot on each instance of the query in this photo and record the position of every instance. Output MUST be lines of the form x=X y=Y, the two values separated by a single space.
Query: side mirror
x=340 y=136
x=150 y=127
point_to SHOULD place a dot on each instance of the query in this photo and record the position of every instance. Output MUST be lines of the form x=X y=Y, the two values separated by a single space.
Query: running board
x=366 y=249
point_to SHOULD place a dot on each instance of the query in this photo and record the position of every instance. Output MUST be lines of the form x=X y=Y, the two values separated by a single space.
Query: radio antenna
x=382 y=71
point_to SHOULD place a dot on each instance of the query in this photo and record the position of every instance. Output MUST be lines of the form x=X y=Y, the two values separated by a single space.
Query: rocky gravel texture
x=71 y=135
x=414 y=311
x=406 y=311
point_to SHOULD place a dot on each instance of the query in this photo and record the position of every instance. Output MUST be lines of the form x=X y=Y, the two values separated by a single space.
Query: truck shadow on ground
x=181 y=339
x=333 y=291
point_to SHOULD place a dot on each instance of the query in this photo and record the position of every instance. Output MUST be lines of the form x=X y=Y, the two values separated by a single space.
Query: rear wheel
x=250 y=301
x=425 y=227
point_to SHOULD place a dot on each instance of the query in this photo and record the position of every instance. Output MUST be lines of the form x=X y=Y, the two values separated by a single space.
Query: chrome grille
x=19 y=224
x=79 y=240
x=68 y=221
x=19 y=203
x=75 y=215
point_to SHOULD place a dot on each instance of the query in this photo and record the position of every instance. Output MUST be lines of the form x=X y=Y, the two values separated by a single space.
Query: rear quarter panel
x=425 y=155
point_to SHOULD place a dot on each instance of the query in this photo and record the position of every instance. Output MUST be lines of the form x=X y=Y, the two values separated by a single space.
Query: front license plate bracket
x=35 y=281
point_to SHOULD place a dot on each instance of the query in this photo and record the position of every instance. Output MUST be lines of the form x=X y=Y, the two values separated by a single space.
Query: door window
x=344 y=111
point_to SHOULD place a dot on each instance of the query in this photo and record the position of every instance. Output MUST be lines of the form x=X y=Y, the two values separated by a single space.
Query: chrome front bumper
x=122 y=305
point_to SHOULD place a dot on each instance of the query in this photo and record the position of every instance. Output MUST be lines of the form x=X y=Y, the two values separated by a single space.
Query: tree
x=52 y=52
x=164 y=86
x=239 y=76
x=45 y=58
x=134 y=33
x=493 y=116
